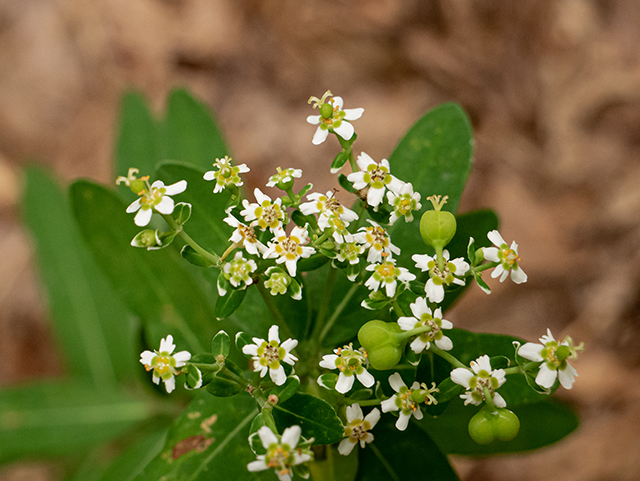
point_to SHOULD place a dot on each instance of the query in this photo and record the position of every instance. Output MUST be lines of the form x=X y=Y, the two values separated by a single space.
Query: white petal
x=170 y=384
x=375 y=196
x=176 y=188
x=546 y=377
x=373 y=417
x=490 y=254
x=146 y=357
x=483 y=363
x=313 y=119
x=461 y=376
x=266 y=436
x=250 y=349
x=389 y=404
x=181 y=358
x=434 y=292
x=518 y=276
x=143 y=217
x=254 y=466
x=366 y=378
x=345 y=383
x=531 y=351
x=567 y=376
x=278 y=376
x=498 y=271
x=390 y=288
x=320 y=136
x=291 y=266
x=419 y=307
x=346 y=446
x=354 y=412
x=407 y=323
x=329 y=361
x=273 y=334
x=395 y=185
x=444 y=343
x=364 y=160
x=444 y=324
x=353 y=114
x=289 y=344
x=291 y=436
x=134 y=206
x=345 y=130
x=396 y=382
x=495 y=237
x=165 y=206
x=418 y=345
x=499 y=401
x=403 y=421
x=167 y=345
x=418 y=414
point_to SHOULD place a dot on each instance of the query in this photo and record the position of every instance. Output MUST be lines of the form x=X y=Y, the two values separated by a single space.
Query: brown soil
x=553 y=91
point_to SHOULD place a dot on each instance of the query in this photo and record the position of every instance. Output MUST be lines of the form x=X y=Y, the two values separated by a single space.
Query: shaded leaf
x=316 y=418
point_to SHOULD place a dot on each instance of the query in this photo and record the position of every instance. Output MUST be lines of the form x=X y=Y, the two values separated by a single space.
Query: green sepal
x=182 y=212
x=417 y=287
x=221 y=344
x=287 y=390
x=328 y=380
x=379 y=392
x=234 y=201
x=242 y=339
x=374 y=305
x=223 y=384
x=345 y=184
x=352 y=271
x=254 y=440
x=327 y=253
x=227 y=304
x=194 y=378
x=471 y=250
x=304 y=190
x=361 y=394
x=339 y=161
x=294 y=289
x=302 y=470
x=411 y=356
x=481 y=283
x=191 y=256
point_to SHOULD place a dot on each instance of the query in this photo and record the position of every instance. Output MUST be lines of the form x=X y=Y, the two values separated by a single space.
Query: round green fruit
x=488 y=425
x=437 y=228
x=384 y=349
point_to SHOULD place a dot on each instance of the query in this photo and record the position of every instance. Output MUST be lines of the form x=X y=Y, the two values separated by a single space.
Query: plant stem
x=210 y=256
x=521 y=369
x=484 y=267
x=368 y=402
x=446 y=356
x=398 y=309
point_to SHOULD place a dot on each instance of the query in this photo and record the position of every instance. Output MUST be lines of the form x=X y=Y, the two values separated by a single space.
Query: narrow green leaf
x=62 y=418
x=91 y=323
x=190 y=133
x=541 y=424
x=316 y=418
x=153 y=284
x=227 y=304
x=209 y=440
x=401 y=455
x=221 y=344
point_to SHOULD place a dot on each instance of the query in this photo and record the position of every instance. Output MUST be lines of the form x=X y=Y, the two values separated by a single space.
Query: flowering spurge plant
x=296 y=313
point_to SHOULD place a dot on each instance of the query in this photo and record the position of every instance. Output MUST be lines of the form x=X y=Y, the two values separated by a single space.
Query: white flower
x=376 y=239
x=279 y=282
x=479 y=377
x=226 y=174
x=281 y=453
x=289 y=249
x=332 y=118
x=402 y=401
x=555 y=355
x=424 y=317
x=239 y=270
x=244 y=235
x=438 y=279
x=268 y=355
x=357 y=428
x=264 y=213
x=284 y=176
x=350 y=362
x=507 y=257
x=326 y=205
x=155 y=198
x=388 y=274
x=376 y=177
x=349 y=251
x=404 y=203
x=164 y=363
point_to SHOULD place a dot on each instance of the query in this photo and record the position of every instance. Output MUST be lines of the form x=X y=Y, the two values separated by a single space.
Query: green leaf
x=90 y=322
x=190 y=133
x=62 y=418
x=329 y=464
x=208 y=441
x=224 y=383
x=227 y=304
x=402 y=455
x=221 y=344
x=287 y=390
x=540 y=424
x=316 y=418
x=137 y=144
x=435 y=156
x=154 y=285
x=192 y=257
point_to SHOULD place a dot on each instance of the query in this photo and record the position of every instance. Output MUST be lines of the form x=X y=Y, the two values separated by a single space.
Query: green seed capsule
x=384 y=350
x=326 y=110
x=437 y=227
x=488 y=425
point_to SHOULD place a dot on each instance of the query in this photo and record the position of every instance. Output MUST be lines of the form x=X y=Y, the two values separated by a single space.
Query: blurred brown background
x=553 y=91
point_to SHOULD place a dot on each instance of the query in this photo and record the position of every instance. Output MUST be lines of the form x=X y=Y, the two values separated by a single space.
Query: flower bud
x=489 y=424
x=437 y=227
x=384 y=348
